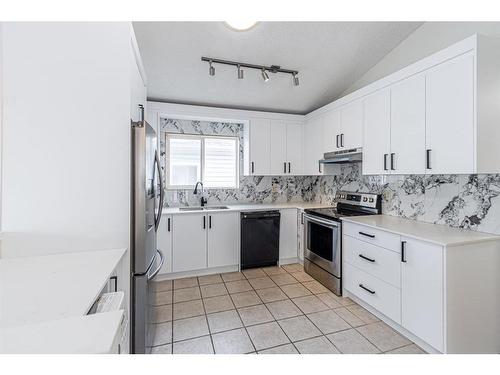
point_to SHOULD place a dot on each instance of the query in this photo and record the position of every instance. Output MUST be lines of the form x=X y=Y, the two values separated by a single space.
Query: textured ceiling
x=330 y=56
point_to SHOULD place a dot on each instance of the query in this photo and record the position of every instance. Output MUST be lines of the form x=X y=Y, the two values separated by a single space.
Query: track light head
x=295 y=79
x=211 y=69
x=240 y=72
x=265 y=76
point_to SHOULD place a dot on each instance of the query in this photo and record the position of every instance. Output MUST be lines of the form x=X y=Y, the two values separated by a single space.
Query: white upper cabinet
x=351 y=125
x=313 y=147
x=449 y=140
x=260 y=147
x=278 y=147
x=294 y=154
x=407 y=133
x=377 y=131
x=331 y=131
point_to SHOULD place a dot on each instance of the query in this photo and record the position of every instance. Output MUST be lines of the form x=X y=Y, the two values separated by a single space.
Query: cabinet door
x=223 y=239
x=260 y=146
x=288 y=234
x=164 y=242
x=138 y=94
x=422 y=291
x=377 y=133
x=313 y=147
x=450 y=117
x=351 y=125
x=278 y=147
x=408 y=126
x=294 y=148
x=189 y=243
x=331 y=131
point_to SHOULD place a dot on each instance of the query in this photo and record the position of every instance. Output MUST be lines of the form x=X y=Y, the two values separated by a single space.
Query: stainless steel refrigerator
x=146 y=260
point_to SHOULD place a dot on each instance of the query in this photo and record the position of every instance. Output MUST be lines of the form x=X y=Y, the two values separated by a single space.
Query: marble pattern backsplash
x=465 y=201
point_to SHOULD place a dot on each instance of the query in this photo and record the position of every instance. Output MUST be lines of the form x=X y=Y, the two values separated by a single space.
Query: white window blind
x=212 y=160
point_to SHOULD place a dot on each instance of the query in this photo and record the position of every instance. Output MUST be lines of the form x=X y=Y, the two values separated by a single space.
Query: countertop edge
x=489 y=236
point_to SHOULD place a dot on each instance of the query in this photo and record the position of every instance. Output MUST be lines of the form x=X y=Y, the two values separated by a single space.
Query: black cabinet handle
x=204 y=222
x=319 y=167
x=392 y=162
x=168 y=224
x=428 y=158
x=342 y=140
x=288 y=167
x=302 y=218
x=385 y=161
x=403 y=251
x=366 y=258
x=338 y=141
x=367 y=235
x=252 y=167
x=210 y=222
x=284 y=167
x=365 y=288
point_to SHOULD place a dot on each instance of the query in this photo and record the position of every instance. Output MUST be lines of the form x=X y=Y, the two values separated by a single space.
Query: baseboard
x=202 y=272
x=282 y=262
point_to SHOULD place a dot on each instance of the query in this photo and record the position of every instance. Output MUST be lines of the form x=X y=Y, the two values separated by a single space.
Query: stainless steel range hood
x=353 y=155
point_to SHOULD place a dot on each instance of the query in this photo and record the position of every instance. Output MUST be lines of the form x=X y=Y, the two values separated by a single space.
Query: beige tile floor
x=269 y=310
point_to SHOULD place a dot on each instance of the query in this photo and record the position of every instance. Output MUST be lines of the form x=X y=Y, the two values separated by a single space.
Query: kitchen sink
x=192 y=208
x=200 y=208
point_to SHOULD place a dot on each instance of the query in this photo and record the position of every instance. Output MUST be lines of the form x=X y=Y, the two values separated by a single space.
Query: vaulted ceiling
x=330 y=56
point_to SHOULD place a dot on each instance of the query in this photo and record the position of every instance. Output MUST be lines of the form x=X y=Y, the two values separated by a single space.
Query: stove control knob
x=371 y=200
x=365 y=199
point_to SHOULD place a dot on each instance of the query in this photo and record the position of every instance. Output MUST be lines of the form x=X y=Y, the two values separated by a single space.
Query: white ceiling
x=330 y=56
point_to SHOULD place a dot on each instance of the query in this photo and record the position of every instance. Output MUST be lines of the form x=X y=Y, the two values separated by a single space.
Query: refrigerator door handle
x=162 y=260
x=162 y=192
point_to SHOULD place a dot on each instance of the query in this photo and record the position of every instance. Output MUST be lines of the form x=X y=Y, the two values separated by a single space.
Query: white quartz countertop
x=248 y=207
x=51 y=287
x=89 y=334
x=434 y=233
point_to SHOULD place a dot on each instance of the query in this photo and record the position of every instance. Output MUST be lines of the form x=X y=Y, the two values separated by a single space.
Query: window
x=212 y=160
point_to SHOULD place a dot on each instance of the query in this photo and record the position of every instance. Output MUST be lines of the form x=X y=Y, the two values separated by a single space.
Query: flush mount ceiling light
x=263 y=69
x=240 y=25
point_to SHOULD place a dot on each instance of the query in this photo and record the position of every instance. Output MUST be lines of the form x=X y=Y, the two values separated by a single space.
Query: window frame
x=202 y=138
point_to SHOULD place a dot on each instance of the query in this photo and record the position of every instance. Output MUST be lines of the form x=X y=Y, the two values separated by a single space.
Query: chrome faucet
x=203 y=200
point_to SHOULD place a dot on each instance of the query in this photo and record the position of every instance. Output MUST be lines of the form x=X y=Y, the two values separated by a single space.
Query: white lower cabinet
x=443 y=295
x=189 y=242
x=288 y=235
x=223 y=238
x=164 y=242
x=422 y=291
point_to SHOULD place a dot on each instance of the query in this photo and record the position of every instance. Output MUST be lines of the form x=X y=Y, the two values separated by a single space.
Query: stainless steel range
x=323 y=235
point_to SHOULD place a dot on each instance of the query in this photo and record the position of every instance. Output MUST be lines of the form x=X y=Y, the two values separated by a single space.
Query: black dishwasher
x=260 y=239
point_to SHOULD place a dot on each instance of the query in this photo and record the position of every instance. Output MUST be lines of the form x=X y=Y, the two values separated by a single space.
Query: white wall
x=66 y=145
x=426 y=40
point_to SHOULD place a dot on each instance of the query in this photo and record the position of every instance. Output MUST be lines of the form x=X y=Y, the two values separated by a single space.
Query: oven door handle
x=327 y=223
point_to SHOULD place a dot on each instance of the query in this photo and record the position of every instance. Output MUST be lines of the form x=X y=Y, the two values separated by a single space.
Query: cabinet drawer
x=379 y=294
x=377 y=237
x=377 y=261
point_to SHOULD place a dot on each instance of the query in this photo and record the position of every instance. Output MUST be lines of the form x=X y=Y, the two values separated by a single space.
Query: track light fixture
x=265 y=76
x=263 y=69
x=211 y=69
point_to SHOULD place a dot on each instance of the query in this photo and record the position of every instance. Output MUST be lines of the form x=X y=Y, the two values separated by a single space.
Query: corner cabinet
x=443 y=297
x=437 y=116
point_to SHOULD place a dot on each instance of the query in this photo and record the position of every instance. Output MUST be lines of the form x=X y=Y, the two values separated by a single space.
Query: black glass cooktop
x=334 y=213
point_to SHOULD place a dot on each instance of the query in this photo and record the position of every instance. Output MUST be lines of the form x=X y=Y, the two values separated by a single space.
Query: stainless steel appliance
x=352 y=155
x=146 y=260
x=323 y=235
